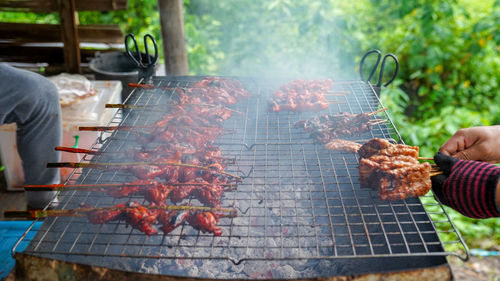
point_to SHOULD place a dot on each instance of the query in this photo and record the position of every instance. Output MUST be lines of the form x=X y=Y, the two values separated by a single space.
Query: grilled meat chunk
x=301 y=95
x=343 y=145
x=328 y=127
x=393 y=169
x=384 y=147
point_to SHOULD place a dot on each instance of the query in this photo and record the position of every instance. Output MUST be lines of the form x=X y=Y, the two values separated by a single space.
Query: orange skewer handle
x=76 y=150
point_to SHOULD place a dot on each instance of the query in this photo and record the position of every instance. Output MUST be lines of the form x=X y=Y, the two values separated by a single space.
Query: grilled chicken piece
x=170 y=220
x=136 y=215
x=301 y=95
x=205 y=222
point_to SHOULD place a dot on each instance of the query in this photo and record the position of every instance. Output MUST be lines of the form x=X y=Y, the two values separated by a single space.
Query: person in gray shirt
x=32 y=102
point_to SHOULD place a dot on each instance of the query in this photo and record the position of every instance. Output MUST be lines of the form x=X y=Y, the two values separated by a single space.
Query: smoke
x=306 y=39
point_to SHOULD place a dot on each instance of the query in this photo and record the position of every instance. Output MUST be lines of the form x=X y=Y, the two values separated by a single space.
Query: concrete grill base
x=32 y=268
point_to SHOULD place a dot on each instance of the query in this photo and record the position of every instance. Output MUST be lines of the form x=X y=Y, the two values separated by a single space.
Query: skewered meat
x=208 y=195
x=136 y=215
x=384 y=147
x=393 y=169
x=205 y=222
x=182 y=138
x=153 y=191
x=327 y=127
x=170 y=220
x=301 y=95
x=213 y=90
x=343 y=145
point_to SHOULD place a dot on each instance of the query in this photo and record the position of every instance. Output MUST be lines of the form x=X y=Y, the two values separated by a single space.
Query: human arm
x=475 y=143
x=470 y=187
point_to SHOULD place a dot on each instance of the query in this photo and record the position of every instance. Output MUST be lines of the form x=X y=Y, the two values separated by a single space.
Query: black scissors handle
x=374 y=68
x=137 y=57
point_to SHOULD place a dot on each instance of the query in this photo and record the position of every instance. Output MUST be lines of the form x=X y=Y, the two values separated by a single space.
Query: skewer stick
x=380 y=110
x=107 y=165
x=131 y=106
x=378 y=122
x=59 y=187
x=133 y=128
x=142 y=86
x=80 y=212
x=76 y=150
x=97 y=152
x=436 y=173
x=425 y=158
x=110 y=128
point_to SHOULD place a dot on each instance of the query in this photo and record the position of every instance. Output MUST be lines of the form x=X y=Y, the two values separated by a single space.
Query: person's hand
x=467 y=186
x=475 y=143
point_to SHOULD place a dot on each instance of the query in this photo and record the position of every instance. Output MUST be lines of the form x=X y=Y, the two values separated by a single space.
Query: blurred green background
x=448 y=51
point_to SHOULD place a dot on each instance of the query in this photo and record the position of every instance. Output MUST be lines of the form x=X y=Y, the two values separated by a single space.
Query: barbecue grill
x=301 y=212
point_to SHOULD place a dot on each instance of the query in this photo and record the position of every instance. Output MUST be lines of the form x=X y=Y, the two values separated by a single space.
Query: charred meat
x=328 y=127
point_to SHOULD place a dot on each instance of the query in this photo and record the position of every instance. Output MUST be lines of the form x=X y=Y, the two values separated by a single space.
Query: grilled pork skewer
x=153 y=106
x=393 y=169
x=134 y=128
x=328 y=127
x=141 y=217
x=159 y=152
x=107 y=165
x=59 y=187
x=80 y=212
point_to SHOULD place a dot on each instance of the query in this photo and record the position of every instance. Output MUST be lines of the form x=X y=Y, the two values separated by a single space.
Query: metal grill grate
x=297 y=201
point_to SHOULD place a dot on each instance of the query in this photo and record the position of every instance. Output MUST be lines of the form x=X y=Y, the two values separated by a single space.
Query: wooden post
x=69 y=25
x=172 y=29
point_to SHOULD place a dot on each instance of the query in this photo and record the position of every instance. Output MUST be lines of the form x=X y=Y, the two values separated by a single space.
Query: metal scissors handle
x=381 y=74
x=137 y=58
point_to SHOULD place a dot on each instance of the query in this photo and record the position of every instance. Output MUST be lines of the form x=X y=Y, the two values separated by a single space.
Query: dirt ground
x=476 y=269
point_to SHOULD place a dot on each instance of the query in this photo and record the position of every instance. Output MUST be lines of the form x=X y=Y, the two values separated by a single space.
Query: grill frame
x=237 y=144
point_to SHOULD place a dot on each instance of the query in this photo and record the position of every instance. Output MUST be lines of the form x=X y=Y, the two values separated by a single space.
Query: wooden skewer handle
x=76 y=150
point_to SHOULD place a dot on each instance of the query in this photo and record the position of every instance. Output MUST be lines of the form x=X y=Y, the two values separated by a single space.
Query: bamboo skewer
x=378 y=122
x=59 y=187
x=425 y=158
x=380 y=110
x=148 y=107
x=107 y=165
x=436 y=173
x=98 y=152
x=133 y=128
x=80 y=212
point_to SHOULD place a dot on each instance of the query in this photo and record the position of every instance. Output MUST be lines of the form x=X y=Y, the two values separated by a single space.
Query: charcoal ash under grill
x=301 y=212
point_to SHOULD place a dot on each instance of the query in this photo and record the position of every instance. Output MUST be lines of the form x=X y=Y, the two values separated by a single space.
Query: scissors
x=145 y=65
x=374 y=68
